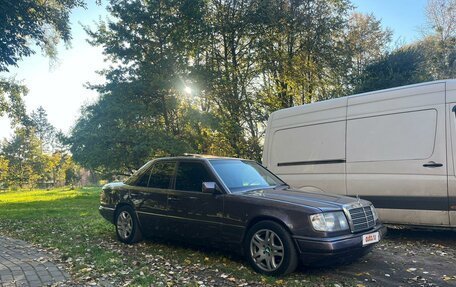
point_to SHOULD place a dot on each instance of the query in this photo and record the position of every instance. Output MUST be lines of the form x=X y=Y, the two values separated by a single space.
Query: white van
x=394 y=147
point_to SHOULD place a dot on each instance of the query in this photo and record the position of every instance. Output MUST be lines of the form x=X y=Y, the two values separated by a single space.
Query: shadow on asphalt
x=398 y=233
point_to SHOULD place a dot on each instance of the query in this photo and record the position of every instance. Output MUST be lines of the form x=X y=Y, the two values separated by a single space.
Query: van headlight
x=374 y=213
x=329 y=221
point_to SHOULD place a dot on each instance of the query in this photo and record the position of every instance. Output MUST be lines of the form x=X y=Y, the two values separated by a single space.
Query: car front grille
x=361 y=218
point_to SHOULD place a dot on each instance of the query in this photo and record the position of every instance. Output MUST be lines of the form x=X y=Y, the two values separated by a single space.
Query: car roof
x=198 y=156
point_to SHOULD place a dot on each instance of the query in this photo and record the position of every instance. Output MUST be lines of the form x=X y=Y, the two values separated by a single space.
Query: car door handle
x=432 y=164
x=175 y=198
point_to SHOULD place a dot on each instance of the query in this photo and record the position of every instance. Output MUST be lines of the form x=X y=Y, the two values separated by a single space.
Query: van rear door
x=396 y=153
x=451 y=143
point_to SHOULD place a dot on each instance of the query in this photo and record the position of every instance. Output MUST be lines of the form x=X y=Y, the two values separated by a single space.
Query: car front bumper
x=326 y=251
x=107 y=213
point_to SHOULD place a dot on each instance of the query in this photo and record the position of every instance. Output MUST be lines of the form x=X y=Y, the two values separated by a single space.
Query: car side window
x=144 y=178
x=191 y=175
x=161 y=175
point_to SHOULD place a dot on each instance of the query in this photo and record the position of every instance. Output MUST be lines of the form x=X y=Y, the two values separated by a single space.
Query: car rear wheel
x=127 y=227
x=270 y=249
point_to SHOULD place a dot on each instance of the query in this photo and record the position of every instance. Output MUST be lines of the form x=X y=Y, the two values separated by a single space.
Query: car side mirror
x=209 y=187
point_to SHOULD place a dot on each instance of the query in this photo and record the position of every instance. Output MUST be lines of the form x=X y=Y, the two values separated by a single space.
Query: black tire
x=127 y=225
x=289 y=258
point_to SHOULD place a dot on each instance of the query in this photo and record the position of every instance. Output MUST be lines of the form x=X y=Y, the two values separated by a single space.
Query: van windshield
x=243 y=175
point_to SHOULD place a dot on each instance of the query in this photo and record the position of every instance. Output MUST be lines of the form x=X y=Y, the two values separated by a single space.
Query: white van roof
x=342 y=101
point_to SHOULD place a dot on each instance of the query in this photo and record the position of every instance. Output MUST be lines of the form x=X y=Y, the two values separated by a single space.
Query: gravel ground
x=404 y=258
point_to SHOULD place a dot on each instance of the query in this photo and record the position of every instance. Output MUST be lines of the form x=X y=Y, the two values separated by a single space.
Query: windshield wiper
x=281 y=186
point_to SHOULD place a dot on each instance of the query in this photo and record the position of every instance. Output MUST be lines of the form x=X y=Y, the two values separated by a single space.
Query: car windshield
x=242 y=175
x=135 y=176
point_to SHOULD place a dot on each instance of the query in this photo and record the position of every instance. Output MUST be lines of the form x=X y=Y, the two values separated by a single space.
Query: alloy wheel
x=266 y=250
x=124 y=225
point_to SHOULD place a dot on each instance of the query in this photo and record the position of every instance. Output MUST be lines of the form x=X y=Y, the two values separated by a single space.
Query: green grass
x=67 y=223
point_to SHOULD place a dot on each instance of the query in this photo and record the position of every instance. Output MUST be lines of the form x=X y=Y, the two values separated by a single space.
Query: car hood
x=323 y=201
x=113 y=185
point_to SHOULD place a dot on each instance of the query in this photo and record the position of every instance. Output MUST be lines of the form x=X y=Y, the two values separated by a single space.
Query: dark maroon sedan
x=240 y=205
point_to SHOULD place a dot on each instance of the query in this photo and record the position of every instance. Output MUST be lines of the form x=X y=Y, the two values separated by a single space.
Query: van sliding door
x=306 y=146
x=396 y=154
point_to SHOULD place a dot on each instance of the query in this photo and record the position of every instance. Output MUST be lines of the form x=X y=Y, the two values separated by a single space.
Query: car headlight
x=329 y=221
x=374 y=213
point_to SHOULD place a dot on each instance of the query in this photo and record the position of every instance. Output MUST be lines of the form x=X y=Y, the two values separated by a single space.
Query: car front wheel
x=270 y=249
x=127 y=227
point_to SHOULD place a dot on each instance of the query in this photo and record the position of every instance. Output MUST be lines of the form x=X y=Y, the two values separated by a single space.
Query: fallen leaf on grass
x=448 y=278
x=84 y=270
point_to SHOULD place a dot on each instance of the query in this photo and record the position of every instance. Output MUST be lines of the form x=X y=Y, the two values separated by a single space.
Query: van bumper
x=328 y=251
x=107 y=213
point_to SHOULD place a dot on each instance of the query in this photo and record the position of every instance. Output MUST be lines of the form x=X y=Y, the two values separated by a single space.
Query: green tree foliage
x=45 y=132
x=26 y=24
x=72 y=172
x=241 y=59
x=43 y=23
x=120 y=132
x=144 y=50
x=61 y=169
x=226 y=60
x=430 y=58
x=25 y=160
x=441 y=43
x=366 y=42
x=238 y=58
x=301 y=49
x=11 y=99
x=25 y=163
x=142 y=111
x=3 y=170
x=401 y=67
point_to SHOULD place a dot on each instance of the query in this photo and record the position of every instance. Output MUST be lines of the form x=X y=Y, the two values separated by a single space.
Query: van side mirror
x=209 y=187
